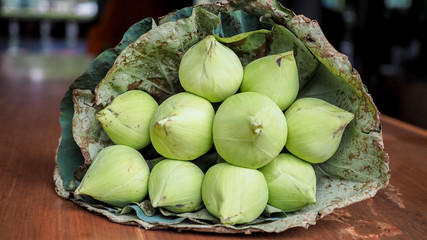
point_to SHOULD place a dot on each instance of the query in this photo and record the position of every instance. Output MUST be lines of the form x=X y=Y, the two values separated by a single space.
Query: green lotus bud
x=249 y=130
x=176 y=185
x=291 y=182
x=182 y=127
x=315 y=129
x=275 y=76
x=117 y=176
x=210 y=70
x=127 y=118
x=234 y=194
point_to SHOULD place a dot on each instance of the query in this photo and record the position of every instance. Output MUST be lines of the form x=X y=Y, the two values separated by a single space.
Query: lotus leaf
x=148 y=57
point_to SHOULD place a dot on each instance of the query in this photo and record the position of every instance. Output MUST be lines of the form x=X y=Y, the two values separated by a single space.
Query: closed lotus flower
x=210 y=70
x=176 y=185
x=315 y=129
x=291 y=182
x=127 y=118
x=234 y=194
x=117 y=176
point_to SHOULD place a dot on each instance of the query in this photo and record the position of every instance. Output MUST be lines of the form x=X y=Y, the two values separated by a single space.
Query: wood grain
x=30 y=208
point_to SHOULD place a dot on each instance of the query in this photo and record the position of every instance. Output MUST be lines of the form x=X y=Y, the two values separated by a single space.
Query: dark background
x=384 y=40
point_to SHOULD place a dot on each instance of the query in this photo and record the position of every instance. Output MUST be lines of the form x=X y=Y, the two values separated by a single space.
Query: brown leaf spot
x=133 y=86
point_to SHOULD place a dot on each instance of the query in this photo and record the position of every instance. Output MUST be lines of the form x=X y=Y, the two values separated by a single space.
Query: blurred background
x=385 y=40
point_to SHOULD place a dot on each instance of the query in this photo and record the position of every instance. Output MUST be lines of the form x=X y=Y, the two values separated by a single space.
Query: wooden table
x=30 y=208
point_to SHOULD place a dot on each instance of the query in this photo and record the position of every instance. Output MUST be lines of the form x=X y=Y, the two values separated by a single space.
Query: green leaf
x=145 y=206
x=68 y=156
x=181 y=14
x=156 y=218
x=238 y=25
x=243 y=33
x=201 y=216
x=271 y=211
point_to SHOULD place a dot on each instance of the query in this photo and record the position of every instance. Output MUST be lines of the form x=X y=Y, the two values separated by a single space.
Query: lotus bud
x=275 y=76
x=176 y=185
x=127 y=118
x=291 y=182
x=234 y=194
x=117 y=176
x=210 y=70
x=315 y=129
x=249 y=130
x=182 y=127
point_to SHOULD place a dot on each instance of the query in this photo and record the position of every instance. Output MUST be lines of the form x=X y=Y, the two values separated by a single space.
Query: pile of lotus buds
x=266 y=139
